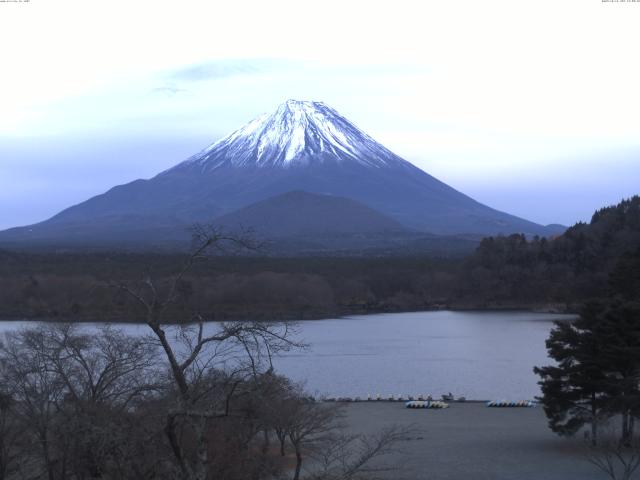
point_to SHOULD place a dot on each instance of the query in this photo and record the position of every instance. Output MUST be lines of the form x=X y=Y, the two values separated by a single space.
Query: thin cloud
x=169 y=90
x=217 y=69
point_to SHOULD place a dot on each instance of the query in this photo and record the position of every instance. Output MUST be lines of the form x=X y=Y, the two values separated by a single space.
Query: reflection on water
x=480 y=355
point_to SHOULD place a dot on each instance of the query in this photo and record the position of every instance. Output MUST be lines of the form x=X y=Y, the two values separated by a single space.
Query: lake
x=481 y=355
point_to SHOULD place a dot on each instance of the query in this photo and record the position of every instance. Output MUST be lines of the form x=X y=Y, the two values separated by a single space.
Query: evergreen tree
x=573 y=391
x=625 y=277
x=619 y=332
x=598 y=369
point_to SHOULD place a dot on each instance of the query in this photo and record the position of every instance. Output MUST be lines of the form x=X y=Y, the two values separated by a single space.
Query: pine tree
x=619 y=332
x=574 y=392
x=598 y=369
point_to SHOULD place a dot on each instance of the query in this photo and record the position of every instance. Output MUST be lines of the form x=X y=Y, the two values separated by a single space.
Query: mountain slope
x=119 y=231
x=299 y=213
x=302 y=146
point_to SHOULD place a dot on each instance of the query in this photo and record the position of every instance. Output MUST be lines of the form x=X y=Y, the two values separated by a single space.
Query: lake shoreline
x=561 y=309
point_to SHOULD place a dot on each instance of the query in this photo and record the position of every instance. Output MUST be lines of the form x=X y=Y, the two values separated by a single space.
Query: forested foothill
x=570 y=269
x=559 y=273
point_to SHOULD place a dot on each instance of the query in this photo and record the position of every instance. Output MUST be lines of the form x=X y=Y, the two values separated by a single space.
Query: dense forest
x=504 y=272
x=569 y=269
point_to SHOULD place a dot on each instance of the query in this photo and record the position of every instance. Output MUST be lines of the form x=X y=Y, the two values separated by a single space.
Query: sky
x=528 y=107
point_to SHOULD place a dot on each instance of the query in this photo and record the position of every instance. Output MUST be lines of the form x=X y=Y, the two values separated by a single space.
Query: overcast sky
x=530 y=107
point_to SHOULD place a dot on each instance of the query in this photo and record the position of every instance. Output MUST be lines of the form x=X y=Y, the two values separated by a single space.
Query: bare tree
x=310 y=427
x=279 y=409
x=104 y=376
x=37 y=391
x=359 y=457
x=10 y=436
x=195 y=350
x=72 y=394
x=618 y=458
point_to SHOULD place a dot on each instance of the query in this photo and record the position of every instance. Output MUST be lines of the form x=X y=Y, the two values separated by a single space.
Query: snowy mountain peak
x=298 y=133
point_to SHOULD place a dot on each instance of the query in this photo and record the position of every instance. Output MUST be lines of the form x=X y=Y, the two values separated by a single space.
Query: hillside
x=303 y=213
x=571 y=267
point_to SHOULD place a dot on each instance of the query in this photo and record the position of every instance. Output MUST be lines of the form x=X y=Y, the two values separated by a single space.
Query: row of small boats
x=507 y=403
x=428 y=402
x=436 y=404
x=494 y=403
x=390 y=398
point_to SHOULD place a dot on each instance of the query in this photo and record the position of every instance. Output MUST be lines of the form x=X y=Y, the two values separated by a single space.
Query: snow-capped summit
x=297 y=133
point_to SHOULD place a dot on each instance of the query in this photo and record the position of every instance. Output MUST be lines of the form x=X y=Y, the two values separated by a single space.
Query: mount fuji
x=303 y=147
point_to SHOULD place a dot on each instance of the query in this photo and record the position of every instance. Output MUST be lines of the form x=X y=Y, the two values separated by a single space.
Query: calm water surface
x=480 y=355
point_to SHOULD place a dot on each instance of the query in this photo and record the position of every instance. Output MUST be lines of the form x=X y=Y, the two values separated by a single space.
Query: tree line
x=571 y=268
x=504 y=272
